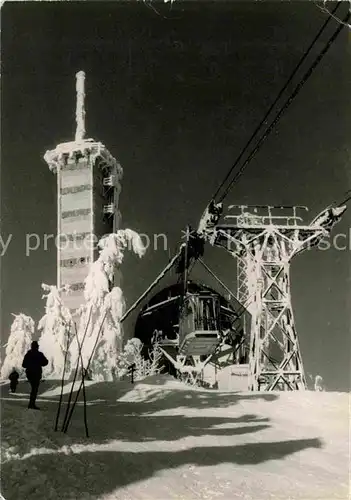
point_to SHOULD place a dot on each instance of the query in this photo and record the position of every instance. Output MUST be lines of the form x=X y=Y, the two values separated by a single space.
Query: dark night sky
x=175 y=97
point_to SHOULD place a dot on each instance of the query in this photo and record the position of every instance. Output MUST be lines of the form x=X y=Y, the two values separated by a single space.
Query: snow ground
x=162 y=440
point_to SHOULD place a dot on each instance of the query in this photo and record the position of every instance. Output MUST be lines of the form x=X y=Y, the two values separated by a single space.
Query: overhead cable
x=287 y=104
x=264 y=119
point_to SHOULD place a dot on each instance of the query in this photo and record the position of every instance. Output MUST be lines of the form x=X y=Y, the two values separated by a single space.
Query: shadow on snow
x=102 y=472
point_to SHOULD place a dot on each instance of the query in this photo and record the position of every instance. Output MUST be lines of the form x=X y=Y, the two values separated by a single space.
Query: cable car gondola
x=199 y=333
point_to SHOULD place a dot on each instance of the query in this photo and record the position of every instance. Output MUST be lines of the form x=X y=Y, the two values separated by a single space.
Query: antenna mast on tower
x=80 y=109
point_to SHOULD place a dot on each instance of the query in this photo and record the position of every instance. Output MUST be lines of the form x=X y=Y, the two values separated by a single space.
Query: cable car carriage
x=199 y=324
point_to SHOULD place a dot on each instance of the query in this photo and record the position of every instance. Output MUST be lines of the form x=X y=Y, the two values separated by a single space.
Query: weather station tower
x=88 y=189
x=264 y=239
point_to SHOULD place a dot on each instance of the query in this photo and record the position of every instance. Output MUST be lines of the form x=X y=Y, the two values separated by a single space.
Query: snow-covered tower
x=88 y=189
x=264 y=240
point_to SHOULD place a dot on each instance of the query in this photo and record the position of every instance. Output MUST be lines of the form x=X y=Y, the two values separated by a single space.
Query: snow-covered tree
x=132 y=355
x=100 y=316
x=57 y=329
x=111 y=343
x=19 y=342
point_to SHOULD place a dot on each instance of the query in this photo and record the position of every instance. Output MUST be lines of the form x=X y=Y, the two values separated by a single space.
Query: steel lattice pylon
x=264 y=246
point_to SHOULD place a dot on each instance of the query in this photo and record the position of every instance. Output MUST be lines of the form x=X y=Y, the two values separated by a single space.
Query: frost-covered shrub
x=318 y=383
x=132 y=355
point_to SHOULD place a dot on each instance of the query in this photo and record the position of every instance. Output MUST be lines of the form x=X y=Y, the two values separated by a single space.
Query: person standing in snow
x=33 y=362
x=14 y=376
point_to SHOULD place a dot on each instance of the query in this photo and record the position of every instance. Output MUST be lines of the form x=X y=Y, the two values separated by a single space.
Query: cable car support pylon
x=265 y=242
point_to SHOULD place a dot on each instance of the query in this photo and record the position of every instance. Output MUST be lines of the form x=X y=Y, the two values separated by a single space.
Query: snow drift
x=162 y=440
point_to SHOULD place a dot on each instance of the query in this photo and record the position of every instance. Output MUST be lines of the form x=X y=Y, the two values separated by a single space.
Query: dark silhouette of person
x=33 y=362
x=14 y=376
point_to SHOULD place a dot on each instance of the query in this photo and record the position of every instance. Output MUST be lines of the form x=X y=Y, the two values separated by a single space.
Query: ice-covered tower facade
x=88 y=189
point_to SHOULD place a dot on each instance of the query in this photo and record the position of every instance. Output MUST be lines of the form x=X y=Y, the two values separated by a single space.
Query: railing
x=109 y=209
x=108 y=181
x=256 y=217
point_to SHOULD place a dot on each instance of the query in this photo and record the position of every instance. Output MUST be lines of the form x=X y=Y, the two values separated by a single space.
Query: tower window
x=76 y=189
x=75 y=213
x=76 y=287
